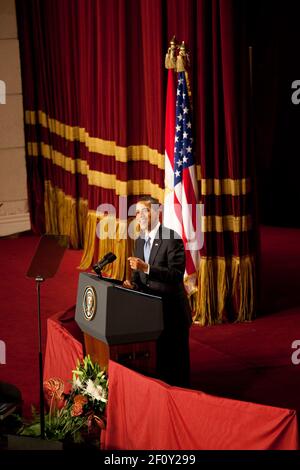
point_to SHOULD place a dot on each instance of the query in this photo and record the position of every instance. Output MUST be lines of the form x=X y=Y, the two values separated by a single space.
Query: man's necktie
x=147 y=249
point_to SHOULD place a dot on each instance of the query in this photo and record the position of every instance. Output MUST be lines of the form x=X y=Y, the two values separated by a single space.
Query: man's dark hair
x=150 y=199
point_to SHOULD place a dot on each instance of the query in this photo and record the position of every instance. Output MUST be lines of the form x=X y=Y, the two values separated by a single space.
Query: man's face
x=146 y=215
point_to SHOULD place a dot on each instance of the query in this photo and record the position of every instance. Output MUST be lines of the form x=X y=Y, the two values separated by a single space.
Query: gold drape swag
x=95 y=144
x=209 y=186
x=219 y=279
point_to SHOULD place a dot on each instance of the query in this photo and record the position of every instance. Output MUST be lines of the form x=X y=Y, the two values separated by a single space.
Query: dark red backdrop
x=94 y=98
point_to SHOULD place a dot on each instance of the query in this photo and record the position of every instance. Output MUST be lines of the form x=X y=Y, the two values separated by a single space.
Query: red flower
x=80 y=400
x=76 y=409
x=54 y=388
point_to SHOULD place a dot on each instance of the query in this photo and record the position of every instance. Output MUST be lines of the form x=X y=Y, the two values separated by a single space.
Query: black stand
x=38 y=281
x=44 y=265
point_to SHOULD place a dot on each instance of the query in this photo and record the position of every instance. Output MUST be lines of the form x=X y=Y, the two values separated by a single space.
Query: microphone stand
x=39 y=280
x=108 y=258
x=97 y=271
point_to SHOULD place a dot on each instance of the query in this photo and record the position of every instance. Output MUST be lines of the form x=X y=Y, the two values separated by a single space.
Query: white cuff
x=148 y=269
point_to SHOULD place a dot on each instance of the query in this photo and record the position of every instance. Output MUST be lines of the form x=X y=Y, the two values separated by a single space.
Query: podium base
x=140 y=357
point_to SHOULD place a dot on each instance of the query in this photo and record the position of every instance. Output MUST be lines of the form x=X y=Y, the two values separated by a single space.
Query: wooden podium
x=118 y=324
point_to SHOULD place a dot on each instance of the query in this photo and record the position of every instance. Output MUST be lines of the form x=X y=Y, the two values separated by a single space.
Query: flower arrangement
x=77 y=416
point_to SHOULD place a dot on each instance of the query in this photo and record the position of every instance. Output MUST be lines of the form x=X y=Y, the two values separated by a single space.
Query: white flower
x=77 y=383
x=96 y=392
x=102 y=393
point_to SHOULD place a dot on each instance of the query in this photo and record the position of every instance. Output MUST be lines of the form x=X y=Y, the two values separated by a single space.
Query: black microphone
x=108 y=258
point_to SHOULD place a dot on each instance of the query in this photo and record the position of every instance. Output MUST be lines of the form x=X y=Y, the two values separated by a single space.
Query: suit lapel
x=155 y=246
x=139 y=252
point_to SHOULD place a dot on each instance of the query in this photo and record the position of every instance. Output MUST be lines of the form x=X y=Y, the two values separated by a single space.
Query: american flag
x=181 y=192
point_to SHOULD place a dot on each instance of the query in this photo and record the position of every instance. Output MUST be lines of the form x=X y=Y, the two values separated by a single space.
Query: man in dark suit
x=158 y=267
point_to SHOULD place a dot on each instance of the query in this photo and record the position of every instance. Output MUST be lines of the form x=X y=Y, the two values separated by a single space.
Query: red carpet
x=249 y=361
x=19 y=325
x=252 y=361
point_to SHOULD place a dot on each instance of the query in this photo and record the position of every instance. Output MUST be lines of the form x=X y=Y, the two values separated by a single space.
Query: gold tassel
x=207 y=295
x=89 y=241
x=170 y=59
x=50 y=204
x=61 y=214
x=182 y=62
x=224 y=282
x=243 y=287
x=67 y=217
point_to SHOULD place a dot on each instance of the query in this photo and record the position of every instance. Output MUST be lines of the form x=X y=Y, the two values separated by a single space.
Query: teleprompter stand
x=44 y=265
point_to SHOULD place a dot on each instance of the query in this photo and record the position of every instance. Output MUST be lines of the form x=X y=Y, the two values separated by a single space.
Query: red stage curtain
x=94 y=98
x=144 y=413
